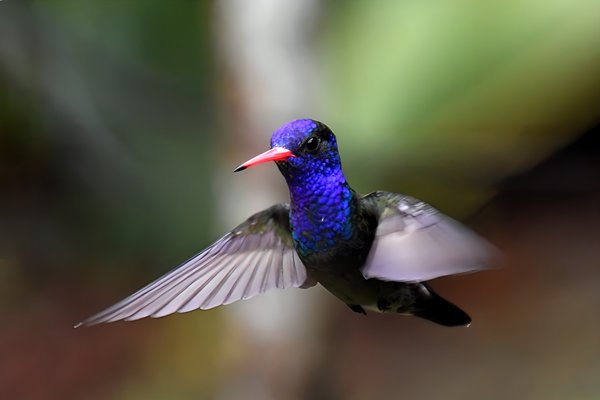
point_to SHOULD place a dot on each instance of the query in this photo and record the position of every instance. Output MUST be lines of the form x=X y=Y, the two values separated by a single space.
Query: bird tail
x=435 y=308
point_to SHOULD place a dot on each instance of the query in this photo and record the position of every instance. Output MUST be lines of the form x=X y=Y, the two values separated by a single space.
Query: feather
x=415 y=242
x=255 y=257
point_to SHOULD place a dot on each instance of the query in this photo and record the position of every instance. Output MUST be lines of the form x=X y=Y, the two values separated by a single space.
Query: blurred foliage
x=431 y=89
x=119 y=88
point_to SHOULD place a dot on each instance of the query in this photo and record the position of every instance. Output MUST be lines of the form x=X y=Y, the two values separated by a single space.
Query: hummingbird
x=374 y=252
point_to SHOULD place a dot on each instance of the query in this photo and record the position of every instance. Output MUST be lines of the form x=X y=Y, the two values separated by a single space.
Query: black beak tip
x=240 y=168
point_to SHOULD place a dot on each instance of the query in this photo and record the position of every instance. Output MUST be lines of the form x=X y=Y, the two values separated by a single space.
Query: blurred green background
x=120 y=122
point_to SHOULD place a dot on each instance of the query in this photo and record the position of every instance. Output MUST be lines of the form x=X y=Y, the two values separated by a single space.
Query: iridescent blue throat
x=321 y=210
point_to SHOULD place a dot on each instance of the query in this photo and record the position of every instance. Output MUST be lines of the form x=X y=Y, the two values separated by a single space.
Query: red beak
x=274 y=154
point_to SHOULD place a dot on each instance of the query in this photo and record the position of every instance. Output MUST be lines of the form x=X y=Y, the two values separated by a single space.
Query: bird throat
x=321 y=211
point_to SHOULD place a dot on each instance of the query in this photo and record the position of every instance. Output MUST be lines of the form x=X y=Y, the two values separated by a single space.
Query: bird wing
x=415 y=242
x=253 y=258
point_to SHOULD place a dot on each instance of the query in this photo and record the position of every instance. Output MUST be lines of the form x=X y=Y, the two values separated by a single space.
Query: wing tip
x=93 y=320
x=86 y=323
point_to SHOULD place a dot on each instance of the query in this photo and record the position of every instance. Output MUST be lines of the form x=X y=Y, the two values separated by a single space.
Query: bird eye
x=312 y=144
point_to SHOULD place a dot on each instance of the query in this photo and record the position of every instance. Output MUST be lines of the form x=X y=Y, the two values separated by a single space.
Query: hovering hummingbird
x=374 y=252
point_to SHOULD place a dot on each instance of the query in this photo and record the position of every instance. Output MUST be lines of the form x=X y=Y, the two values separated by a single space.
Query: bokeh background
x=120 y=124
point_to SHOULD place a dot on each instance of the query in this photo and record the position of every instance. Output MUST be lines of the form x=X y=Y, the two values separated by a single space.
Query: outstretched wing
x=415 y=242
x=253 y=258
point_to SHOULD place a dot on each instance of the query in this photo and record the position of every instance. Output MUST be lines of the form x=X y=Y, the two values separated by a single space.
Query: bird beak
x=274 y=154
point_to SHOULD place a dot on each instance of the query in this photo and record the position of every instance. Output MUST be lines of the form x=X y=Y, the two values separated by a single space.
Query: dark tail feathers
x=436 y=309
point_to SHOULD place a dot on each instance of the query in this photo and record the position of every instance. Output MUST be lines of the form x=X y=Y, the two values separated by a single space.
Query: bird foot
x=383 y=304
x=357 y=309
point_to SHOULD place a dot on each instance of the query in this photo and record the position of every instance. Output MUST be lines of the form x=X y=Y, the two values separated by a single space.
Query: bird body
x=373 y=252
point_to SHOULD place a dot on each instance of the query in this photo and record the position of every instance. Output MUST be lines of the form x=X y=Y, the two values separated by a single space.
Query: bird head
x=301 y=147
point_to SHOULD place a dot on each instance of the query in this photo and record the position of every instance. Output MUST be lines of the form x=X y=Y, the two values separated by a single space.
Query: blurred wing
x=415 y=242
x=253 y=258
